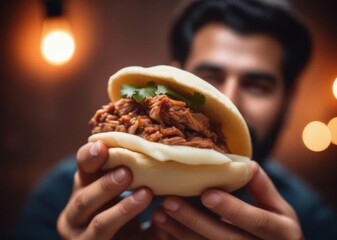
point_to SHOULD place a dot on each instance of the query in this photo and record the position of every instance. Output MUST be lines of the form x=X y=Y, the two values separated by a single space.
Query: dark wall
x=314 y=102
x=45 y=109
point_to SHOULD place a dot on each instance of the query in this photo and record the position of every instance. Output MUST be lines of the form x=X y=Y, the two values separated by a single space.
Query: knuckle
x=77 y=181
x=296 y=235
x=107 y=184
x=79 y=202
x=63 y=228
x=195 y=223
x=60 y=225
x=123 y=208
x=235 y=213
x=80 y=153
x=289 y=211
x=294 y=230
x=76 y=177
x=98 y=225
x=262 y=222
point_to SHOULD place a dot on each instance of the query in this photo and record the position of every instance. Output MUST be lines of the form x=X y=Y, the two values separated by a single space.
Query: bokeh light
x=316 y=136
x=332 y=125
x=58 y=47
x=57 y=41
x=334 y=88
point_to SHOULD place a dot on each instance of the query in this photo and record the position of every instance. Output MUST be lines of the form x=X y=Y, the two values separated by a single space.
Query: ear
x=175 y=63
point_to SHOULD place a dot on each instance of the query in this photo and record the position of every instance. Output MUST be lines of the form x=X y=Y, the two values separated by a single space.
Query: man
x=252 y=52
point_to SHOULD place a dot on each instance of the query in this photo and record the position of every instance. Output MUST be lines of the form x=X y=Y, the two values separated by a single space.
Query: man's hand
x=271 y=218
x=94 y=210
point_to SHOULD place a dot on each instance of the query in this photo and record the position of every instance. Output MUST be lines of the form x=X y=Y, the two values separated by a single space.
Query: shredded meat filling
x=158 y=119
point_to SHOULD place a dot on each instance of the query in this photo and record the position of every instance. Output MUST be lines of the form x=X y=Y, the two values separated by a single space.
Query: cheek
x=261 y=113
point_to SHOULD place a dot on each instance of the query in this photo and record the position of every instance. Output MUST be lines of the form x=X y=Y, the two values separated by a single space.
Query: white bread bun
x=175 y=178
x=181 y=170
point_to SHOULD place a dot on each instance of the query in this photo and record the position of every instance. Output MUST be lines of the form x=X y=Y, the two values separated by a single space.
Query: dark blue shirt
x=38 y=220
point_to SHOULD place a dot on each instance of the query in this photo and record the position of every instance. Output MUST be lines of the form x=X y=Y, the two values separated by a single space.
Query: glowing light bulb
x=334 y=88
x=316 y=136
x=57 y=43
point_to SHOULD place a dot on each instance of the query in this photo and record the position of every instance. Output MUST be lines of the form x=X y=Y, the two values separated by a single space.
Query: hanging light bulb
x=57 y=42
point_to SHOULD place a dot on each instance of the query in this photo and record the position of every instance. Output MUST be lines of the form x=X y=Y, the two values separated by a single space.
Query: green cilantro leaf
x=127 y=91
x=195 y=101
x=161 y=89
x=145 y=92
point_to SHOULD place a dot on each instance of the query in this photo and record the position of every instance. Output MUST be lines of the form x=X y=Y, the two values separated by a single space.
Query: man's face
x=246 y=68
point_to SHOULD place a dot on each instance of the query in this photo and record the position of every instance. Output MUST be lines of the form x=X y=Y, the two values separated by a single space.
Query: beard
x=262 y=148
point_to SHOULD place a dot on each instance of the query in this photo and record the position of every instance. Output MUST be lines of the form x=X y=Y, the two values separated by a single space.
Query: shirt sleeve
x=318 y=220
x=39 y=216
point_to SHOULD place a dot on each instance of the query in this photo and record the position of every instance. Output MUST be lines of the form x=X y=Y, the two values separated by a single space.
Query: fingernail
x=139 y=195
x=94 y=150
x=212 y=199
x=118 y=175
x=171 y=204
x=159 y=217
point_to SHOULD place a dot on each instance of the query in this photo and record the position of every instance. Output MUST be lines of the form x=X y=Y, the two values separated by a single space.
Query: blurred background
x=45 y=108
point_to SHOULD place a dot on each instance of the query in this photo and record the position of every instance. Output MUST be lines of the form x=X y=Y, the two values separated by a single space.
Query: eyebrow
x=257 y=74
x=207 y=66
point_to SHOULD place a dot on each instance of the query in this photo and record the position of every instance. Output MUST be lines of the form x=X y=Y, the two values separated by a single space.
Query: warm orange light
x=334 y=88
x=57 y=43
x=316 y=136
x=332 y=125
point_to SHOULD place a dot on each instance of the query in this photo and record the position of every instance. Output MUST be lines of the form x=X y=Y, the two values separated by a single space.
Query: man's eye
x=212 y=78
x=257 y=87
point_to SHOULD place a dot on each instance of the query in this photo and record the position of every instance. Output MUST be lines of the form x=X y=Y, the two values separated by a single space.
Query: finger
x=153 y=232
x=107 y=223
x=90 y=158
x=197 y=221
x=259 y=222
x=157 y=233
x=267 y=197
x=162 y=234
x=168 y=227
x=88 y=200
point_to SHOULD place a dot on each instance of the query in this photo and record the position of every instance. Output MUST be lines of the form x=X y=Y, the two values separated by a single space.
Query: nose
x=230 y=87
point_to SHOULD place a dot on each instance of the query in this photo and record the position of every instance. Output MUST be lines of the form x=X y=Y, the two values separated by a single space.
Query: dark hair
x=246 y=17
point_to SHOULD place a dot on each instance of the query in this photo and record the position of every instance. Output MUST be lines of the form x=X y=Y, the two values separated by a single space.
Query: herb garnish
x=195 y=100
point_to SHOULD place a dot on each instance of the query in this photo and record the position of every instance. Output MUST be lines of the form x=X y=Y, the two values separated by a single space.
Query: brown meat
x=175 y=113
x=158 y=119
